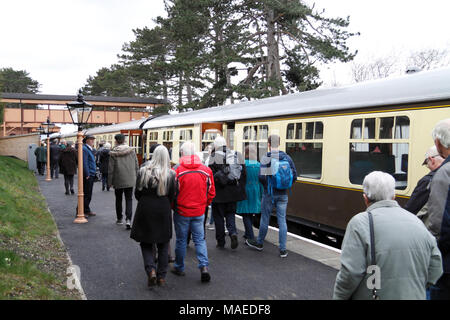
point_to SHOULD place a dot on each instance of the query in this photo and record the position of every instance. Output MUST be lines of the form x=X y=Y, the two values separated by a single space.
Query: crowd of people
x=388 y=252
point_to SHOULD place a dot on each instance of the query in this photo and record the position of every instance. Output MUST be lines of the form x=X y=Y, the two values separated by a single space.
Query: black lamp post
x=47 y=126
x=80 y=111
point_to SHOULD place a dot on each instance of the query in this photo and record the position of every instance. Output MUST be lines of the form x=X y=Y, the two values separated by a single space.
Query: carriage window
x=356 y=129
x=369 y=128
x=388 y=157
x=402 y=128
x=306 y=156
x=263 y=132
x=309 y=132
x=318 y=131
x=290 y=131
x=168 y=135
x=386 y=126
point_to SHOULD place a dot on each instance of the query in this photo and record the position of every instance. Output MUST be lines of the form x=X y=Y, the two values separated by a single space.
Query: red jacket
x=193 y=179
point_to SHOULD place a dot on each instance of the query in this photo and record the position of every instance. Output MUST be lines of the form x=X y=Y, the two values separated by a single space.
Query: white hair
x=157 y=171
x=107 y=145
x=219 y=142
x=442 y=132
x=187 y=148
x=378 y=186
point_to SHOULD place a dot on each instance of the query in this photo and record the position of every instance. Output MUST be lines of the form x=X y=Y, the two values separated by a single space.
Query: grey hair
x=156 y=172
x=187 y=148
x=442 y=132
x=219 y=142
x=378 y=186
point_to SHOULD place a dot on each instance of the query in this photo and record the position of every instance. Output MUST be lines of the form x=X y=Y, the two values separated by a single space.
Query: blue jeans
x=280 y=202
x=247 y=219
x=182 y=227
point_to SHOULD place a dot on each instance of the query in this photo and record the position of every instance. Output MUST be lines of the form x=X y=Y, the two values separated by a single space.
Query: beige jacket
x=122 y=167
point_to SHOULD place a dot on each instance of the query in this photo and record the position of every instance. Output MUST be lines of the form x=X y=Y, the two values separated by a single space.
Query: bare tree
x=428 y=59
x=378 y=68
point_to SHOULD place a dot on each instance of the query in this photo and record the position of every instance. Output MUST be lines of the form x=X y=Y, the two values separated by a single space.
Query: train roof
x=424 y=86
x=129 y=125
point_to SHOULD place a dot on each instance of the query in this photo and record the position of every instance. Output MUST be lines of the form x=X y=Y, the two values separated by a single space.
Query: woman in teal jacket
x=252 y=205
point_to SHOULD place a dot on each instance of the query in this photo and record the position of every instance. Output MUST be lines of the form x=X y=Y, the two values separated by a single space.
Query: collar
x=383 y=204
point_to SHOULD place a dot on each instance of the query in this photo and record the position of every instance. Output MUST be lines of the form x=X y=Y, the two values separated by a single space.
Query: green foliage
x=17 y=81
x=190 y=57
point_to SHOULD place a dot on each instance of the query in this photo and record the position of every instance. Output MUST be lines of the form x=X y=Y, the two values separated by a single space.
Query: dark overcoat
x=68 y=161
x=103 y=160
x=227 y=192
x=153 y=219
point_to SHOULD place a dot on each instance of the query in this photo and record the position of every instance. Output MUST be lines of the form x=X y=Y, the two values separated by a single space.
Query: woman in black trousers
x=152 y=224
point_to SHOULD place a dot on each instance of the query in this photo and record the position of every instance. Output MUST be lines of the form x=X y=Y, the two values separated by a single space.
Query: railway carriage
x=335 y=136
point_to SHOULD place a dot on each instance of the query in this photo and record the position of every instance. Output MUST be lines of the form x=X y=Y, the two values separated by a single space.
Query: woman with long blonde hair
x=152 y=225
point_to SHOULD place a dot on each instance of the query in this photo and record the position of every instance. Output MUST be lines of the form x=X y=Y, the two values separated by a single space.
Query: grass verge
x=33 y=262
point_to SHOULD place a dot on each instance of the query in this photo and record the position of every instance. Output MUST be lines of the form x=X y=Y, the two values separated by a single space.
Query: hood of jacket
x=191 y=162
x=282 y=154
x=121 y=151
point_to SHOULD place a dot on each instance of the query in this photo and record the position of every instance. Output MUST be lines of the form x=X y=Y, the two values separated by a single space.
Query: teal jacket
x=253 y=189
x=406 y=252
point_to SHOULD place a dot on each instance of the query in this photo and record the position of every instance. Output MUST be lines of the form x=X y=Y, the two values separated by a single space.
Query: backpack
x=232 y=168
x=281 y=177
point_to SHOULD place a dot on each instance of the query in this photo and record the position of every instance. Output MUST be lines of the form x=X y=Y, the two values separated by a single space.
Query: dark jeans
x=105 y=181
x=247 y=219
x=88 y=186
x=68 y=182
x=54 y=169
x=441 y=290
x=224 y=213
x=149 y=253
x=128 y=202
x=41 y=167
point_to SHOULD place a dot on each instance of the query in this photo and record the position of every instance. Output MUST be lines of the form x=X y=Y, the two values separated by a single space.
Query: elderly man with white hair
x=406 y=258
x=438 y=218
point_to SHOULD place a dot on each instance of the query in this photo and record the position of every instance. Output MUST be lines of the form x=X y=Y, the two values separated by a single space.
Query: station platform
x=111 y=265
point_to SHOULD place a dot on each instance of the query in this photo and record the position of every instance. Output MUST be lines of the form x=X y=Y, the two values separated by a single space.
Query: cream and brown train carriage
x=131 y=130
x=335 y=136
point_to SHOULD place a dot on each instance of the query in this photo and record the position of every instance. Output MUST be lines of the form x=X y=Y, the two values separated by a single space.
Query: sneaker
x=283 y=253
x=119 y=221
x=152 y=278
x=234 y=241
x=254 y=244
x=204 y=274
x=210 y=227
x=91 y=213
x=128 y=224
x=178 y=272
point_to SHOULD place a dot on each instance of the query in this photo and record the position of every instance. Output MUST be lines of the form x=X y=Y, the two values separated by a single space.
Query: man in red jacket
x=195 y=192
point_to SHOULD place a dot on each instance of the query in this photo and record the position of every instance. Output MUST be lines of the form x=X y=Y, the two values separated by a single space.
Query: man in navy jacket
x=89 y=168
x=278 y=198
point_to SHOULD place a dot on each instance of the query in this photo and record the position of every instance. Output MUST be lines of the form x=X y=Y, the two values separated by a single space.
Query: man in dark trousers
x=228 y=191
x=54 y=159
x=123 y=167
x=89 y=168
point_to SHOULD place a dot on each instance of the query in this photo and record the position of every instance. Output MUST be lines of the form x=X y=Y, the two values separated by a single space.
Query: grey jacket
x=437 y=199
x=122 y=167
x=407 y=255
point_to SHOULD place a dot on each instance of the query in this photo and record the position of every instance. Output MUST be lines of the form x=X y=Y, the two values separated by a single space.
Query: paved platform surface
x=112 y=268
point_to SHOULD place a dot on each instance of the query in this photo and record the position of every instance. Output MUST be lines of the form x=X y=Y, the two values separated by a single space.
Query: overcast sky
x=62 y=42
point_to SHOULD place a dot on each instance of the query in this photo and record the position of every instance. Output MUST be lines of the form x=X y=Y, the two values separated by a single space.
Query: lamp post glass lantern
x=47 y=126
x=80 y=111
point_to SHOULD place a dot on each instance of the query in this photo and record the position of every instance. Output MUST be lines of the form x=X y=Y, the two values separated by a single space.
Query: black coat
x=420 y=194
x=68 y=161
x=226 y=193
x=103 y=160
x=54 y=153
x=153 y=219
